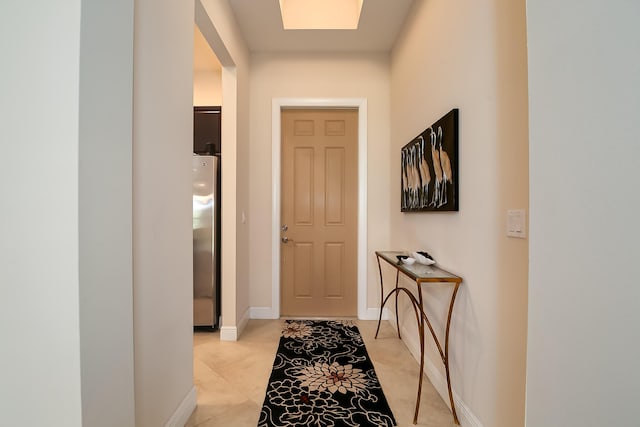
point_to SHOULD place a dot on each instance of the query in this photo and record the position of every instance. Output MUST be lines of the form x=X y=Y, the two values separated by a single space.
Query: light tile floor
x=231 y=377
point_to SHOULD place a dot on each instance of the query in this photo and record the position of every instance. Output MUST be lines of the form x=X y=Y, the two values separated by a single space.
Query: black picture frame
x=429 y=176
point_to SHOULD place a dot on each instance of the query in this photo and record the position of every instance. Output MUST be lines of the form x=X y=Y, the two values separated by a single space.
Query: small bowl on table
x=420 y=259
x=408 y=260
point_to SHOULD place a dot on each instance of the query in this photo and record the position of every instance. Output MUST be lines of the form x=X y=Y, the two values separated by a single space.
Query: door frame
x=278 y=104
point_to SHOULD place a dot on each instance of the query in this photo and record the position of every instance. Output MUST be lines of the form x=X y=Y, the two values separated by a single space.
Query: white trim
x=373 y=313
x=268 y=313
x=232 y=333
x=277 y=105
x=262 y=313
x=465 y=416
x=410 y=340
x=229 y=333
x=181 y=415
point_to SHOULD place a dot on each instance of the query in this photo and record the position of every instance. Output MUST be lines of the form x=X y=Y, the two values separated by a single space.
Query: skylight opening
x=320 y=14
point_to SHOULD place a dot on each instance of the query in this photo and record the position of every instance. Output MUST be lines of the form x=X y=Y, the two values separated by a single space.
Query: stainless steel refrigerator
x=206 y=241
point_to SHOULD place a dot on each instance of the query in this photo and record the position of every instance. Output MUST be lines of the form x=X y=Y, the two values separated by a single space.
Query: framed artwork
x=429 y=168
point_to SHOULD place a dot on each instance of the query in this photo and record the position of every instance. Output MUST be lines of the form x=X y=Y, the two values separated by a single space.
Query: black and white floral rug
x=322 y=376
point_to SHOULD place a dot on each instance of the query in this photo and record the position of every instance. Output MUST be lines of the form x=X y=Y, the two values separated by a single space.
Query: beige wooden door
x=319 y=193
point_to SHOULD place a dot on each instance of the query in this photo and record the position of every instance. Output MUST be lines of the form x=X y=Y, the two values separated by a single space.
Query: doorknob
x=284 y=239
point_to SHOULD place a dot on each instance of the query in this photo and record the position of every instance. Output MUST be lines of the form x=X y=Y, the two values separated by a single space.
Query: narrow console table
x=420 y=274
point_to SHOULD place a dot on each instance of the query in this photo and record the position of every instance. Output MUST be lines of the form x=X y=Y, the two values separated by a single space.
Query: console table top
x=419 y=272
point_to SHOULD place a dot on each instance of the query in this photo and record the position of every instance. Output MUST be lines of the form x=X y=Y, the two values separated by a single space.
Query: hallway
x=231 y=377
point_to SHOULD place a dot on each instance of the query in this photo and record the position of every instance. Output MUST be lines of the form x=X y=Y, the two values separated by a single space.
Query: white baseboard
x=184 y=410
x=411 y=341
x=268 y=313
x=465 y=416
x=228 y=333
x=232 y=333
x=262 y=313
x=373 y=313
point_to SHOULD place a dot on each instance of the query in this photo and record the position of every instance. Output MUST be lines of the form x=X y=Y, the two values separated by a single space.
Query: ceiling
x=261 y=25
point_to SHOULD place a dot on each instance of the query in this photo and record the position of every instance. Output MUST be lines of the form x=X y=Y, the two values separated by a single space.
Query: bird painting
x=429 y=175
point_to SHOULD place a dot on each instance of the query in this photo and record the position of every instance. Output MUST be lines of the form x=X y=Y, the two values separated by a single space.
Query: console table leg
x=397 y=319
x=421 y=372
x=381 y=297
x=420 y=307
x=446 y=354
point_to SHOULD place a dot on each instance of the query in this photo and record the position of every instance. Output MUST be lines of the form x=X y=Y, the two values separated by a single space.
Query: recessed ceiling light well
x=320 y=14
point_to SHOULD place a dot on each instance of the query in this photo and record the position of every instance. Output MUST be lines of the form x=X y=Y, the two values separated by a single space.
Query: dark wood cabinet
x=206 y=130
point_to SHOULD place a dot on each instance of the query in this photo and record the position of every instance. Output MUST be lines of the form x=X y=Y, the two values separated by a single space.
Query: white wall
x=584 y=84
x=216 y=21
x=207 y=87
x=67 y=305
x=162 y=232
x=315 y=76
x=470 y=55
x=105 y=223
x=39 y=308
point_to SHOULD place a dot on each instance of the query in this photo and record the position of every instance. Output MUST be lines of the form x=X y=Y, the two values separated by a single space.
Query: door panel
x=319 y=190
x=334 y=186
x=334 y=270
x=302 y=278
x=303 y=185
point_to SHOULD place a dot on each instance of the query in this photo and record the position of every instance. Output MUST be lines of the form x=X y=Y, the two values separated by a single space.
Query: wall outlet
x=516 y=223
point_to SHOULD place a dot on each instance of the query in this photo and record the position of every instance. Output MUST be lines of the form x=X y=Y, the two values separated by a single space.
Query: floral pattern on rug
x=322 y=376
x=334 y=377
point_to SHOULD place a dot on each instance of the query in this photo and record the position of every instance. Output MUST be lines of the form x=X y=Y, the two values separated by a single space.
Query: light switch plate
x=516 y=223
